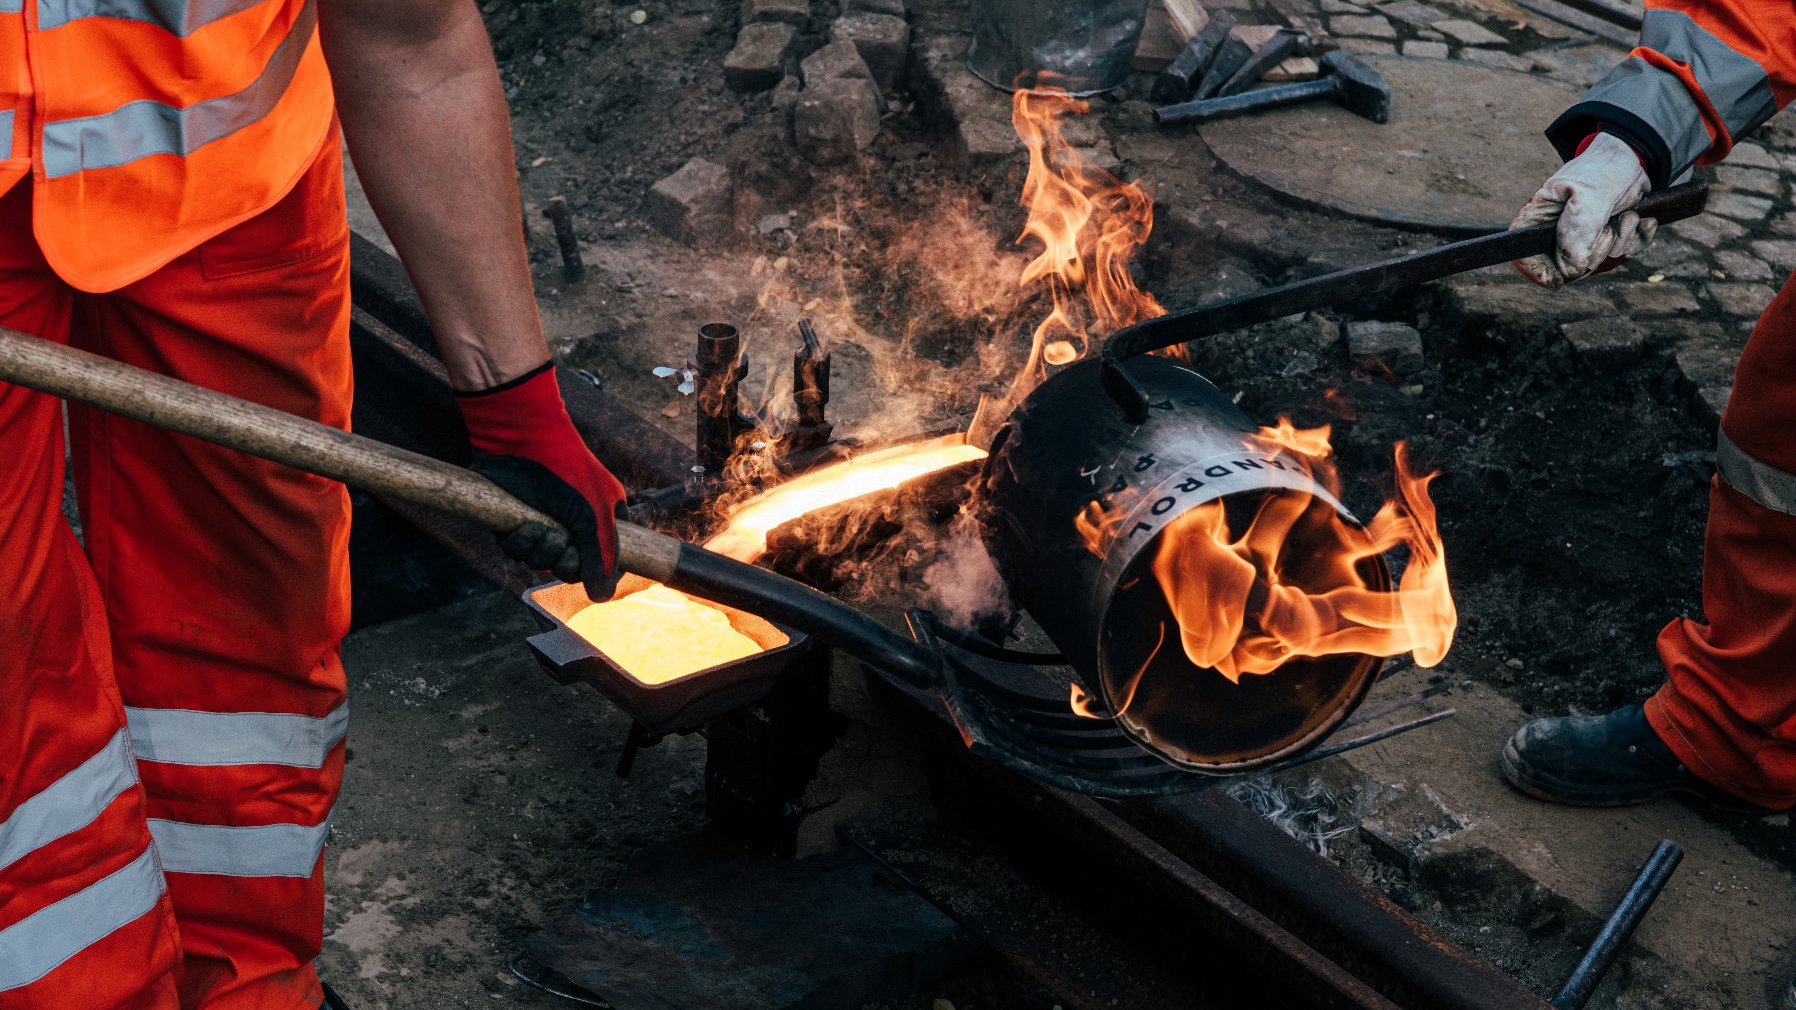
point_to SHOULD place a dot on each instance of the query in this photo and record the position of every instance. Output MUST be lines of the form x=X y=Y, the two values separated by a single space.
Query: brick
x=1708 y=366
x=1396 y=346
x=1369 y=47
x=883 y=41
x=759 y=60
x=1366 y=26
x=1779 y=253
x=1708 y=230
x=985 y=144
x=1341 y=7
x=1500 y=60
x=1764 y=182
x=835 y=118
x=1750 y=155
x=1297 y=68
x=1413 y=12
x=1741 y=266
x=1739 y=206
x=1469 y=33
x=1742 y=301
x=1606 y=340
x=1662 y=299
x=1255 y=35
x=1518 y=303
x=1425 y=50
x=791 y=12
x=838 y=59
x=692 y=203
x=895 y=8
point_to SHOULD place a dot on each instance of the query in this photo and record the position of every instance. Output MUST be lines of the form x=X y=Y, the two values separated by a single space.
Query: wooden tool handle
x=295 y=441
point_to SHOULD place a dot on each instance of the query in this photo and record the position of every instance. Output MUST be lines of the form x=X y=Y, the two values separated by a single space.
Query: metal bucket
x=1082 y=46
x=1069 y=445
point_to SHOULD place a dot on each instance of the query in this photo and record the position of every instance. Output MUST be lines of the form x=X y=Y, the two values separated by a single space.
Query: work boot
x=1609 y=760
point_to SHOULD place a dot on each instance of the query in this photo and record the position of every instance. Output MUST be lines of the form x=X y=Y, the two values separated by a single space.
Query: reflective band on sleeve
x=1735 y=85
x=1762 y=482
x=35 y=945
x=141 y=129
x=5 y=122
x=1660 y=100
x=12 y=6
x=178 y=17
x=269 y=850
x=70 y=803
x=186 y=737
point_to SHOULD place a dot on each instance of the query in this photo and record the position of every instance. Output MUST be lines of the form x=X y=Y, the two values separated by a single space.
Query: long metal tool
x=1665 y=206
x=412 y=477
x=1651 y=879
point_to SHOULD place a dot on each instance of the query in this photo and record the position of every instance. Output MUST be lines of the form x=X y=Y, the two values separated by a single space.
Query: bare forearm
x=427 y=125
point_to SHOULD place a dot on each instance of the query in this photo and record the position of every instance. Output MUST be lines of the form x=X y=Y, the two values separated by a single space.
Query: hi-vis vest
x=149 y=126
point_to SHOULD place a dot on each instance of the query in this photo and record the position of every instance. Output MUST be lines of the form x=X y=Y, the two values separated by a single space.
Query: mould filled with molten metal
x=667 y=659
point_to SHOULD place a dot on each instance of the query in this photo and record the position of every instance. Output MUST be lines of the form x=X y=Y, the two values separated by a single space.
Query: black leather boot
x=1609 y=760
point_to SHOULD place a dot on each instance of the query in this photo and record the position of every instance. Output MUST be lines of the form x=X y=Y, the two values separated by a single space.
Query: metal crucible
x=1069 y=446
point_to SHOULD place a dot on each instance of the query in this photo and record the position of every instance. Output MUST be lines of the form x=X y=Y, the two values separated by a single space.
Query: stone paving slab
x=1462 y=151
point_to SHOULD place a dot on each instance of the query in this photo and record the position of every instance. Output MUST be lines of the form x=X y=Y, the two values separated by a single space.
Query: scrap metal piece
x=573 y=268
x=718 y=367
x=1638 y=900
x=1284 y=43
x=1348 y=81
x=1232 y=57
x=1175 y=82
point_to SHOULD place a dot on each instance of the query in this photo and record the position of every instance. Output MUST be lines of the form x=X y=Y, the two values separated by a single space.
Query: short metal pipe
x=1621 y=925
x=718 y=367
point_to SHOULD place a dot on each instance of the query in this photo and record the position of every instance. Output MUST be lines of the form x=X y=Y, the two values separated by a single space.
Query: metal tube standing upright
x=718 y=366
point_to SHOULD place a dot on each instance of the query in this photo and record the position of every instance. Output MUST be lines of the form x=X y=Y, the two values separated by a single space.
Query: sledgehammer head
x=1360 y=89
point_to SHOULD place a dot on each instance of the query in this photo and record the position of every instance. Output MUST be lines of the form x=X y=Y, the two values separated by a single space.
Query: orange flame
x=1088 y=224
x=1247 y=604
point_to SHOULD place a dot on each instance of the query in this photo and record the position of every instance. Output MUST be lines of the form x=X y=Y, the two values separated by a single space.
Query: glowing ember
x=744 y=536
x=1247 y=605
x=660 y=634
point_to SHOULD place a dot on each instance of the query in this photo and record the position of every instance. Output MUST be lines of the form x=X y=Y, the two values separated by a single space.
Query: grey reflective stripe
x=35 y=945
x=269 y=850
x=146 y=128
x=5 y=132
x=186 y=737
x=70 y=803
x=12 y=6
x=1661 y=100
x=1736 y=85
x=1762 y=482
x=180 y=17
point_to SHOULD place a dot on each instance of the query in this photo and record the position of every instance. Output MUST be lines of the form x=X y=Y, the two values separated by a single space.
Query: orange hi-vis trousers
x=172 y=707
x=1728 y=707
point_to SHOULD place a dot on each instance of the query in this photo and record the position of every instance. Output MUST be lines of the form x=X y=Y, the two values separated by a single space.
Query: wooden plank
x=1169 y=25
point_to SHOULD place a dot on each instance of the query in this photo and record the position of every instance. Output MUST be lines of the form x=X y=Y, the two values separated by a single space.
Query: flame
x=1303 y=441
x=1088 y=225
x=744 y=536
x=658 y=634
x=1246 y=605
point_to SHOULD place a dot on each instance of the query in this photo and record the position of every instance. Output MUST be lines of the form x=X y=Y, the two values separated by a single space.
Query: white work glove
x=1592 y=197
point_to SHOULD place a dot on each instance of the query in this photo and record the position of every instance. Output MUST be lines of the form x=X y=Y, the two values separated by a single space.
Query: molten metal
x=744 y=536
x=660 y=634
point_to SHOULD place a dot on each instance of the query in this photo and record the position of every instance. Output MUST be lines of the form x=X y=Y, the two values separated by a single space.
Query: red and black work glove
x=524 y=442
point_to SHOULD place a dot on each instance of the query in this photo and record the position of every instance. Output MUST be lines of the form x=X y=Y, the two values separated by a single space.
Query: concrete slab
x=1475 y=826
x=1462 y=151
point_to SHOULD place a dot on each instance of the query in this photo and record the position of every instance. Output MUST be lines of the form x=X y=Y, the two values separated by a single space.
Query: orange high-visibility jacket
x=1706 y=73
x=150 y=126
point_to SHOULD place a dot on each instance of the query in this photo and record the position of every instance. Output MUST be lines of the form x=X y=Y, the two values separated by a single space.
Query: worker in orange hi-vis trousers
x=172 y=707
x=1723 y=726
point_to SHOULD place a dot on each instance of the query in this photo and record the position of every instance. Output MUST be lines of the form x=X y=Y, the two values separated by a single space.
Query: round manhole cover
x=1462 y=152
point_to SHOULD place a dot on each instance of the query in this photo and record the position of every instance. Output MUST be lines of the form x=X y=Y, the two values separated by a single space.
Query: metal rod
x=573 y=268
x=1645 y=889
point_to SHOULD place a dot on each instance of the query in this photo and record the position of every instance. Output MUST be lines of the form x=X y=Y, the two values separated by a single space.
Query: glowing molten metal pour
x=744 y=537
x=660 y=634
x=1246 y=604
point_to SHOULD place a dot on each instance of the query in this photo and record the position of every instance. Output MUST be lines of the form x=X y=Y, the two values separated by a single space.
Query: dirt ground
x=1572 y=490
